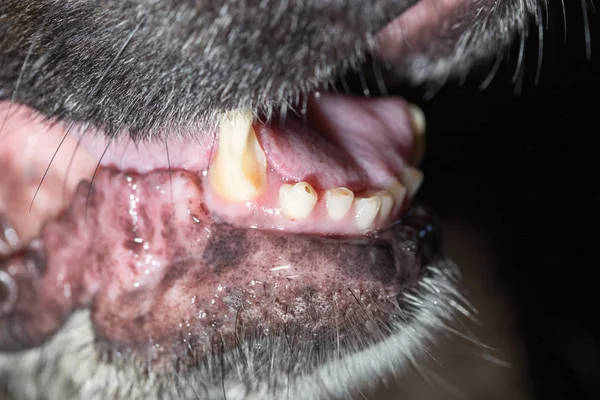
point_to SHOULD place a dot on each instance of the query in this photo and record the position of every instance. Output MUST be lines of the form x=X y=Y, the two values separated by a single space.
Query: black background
x=524 y=159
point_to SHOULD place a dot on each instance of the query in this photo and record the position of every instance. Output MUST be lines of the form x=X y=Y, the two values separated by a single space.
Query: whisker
x=210 y=153
x=34 y=42
x=469 y=338
x=98 y=166
x=189 y=383
x=564 y=13
x=544 y=5
x=435 y=88
x=368 y=315
x=496 y=361
x=438 y=362
x=520 y=59
x=170 y=170
x=72 y=160
x=116 y=58
x=438 y=381
x=286 y=335
x=462 y=79
x=538 y=71
x=363 y=83
x=337 y=331
x=222 y=356
x=283 y=114
x=587 y=33
x=49 y=165
x=295 y=112
x=345 y=84
x=124 y=151
x=379 y=78
x=419 y=370
x=304 y=110
x=357 y=300
x=492 y=74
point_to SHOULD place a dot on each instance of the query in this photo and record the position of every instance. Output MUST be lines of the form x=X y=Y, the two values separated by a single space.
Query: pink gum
x=265 y=212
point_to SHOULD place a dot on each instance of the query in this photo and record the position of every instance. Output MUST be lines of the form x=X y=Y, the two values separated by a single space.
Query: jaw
x=165 y=286
x=174 y=285
x=137 y=247
x=434 y=304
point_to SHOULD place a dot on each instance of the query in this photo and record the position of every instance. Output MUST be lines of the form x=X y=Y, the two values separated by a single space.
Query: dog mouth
x=261 y=231
x=253 y=230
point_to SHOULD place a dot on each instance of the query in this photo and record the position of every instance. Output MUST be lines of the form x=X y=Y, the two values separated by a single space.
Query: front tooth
x=338 y=201
x=297 y=201
x=412 y=178
x=387 y=203
x=366 y=211
x=239 y=170
x=418 y=129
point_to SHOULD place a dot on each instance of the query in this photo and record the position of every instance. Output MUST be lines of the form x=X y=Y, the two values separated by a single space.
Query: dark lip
x=415 y=237
x=413 y=240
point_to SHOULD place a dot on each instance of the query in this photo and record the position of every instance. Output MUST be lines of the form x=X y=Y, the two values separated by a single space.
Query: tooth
x=366 y=211
x=387 y=203
x=418 y=129
x=297 y=201
x=338 y=201
x=239 y=170
x=398 y=191
x=412 y=178
x=418 y=119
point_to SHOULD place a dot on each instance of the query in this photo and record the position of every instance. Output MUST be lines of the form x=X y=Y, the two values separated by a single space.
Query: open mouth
x=257 y=229
x=253 y=234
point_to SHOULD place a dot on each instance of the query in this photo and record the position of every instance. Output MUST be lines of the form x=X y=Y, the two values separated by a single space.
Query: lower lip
x=152 y=281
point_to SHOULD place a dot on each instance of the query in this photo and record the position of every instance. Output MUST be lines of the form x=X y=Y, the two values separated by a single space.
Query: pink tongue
x=349 y=141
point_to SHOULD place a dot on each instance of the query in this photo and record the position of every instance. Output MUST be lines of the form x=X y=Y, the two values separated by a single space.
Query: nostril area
x=8 y=293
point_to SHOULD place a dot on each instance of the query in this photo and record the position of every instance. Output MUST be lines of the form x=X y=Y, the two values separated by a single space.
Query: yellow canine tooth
x=239 y=170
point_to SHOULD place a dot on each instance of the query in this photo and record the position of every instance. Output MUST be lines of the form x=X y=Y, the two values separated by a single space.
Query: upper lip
x=100 y=72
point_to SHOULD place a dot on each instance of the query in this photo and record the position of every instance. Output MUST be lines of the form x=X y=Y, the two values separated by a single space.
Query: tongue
x=346 y=141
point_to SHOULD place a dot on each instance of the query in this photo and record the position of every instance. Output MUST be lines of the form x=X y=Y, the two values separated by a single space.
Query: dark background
x=524 y=161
